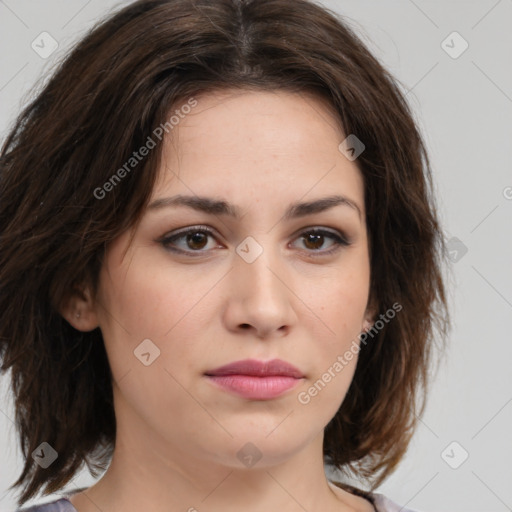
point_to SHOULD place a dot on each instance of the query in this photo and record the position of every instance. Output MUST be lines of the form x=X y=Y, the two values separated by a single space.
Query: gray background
x=463 y=104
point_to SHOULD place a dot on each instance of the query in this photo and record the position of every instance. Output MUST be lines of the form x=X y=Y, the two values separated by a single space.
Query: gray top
x=379 y=501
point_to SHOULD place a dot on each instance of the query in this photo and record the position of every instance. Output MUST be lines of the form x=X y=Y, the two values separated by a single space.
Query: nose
x=261 y=298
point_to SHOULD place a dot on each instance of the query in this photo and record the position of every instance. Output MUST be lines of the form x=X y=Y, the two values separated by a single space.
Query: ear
x=369 y=316
x=79 y=309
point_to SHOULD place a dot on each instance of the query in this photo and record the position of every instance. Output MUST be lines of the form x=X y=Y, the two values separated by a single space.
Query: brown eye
x=314 y=239
x=192 y=241
x=197 y=240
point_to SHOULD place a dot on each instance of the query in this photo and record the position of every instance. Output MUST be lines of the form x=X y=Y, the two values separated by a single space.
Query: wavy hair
x=103 y=101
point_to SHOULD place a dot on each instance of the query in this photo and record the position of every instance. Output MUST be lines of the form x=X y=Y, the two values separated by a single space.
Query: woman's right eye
x=189 y=241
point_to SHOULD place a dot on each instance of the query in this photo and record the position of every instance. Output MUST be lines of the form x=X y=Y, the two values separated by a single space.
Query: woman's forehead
x=264 y=138
x=299 y=117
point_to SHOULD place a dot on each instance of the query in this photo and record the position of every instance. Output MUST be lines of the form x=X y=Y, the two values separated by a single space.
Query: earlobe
x=369 y=317
x=79 y=310
x=367 y=325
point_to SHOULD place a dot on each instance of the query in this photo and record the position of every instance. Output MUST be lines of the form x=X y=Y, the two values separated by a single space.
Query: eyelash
x=339 y=240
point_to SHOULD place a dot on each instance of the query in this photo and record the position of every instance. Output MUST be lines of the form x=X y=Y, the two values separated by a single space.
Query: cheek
x=339 y=300
x=336 y=347
x=340 y=304
x=141 y=301
x=148 y=296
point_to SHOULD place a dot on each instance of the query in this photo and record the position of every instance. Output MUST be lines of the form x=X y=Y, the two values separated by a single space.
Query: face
x=250 y=277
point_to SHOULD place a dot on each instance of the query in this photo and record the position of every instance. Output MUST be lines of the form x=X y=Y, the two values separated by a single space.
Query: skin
x=177 y=434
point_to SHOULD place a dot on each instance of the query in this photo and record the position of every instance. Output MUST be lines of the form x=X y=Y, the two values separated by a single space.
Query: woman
x=220 y=264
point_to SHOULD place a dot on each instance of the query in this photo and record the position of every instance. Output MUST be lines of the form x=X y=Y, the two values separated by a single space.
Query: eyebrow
x=220 y=207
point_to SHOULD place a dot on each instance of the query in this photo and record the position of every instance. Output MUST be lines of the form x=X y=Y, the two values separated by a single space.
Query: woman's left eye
x=314 y=239
x=195 y=240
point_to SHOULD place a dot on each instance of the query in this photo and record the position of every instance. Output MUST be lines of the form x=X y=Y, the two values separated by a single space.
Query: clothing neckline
x=349 y=488
x=368 y=496
x=65 y=498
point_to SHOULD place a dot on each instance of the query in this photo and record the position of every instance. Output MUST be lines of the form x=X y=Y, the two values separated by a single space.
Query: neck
x=148 y=472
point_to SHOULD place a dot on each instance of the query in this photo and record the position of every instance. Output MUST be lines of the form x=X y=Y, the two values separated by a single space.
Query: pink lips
x=256 y=380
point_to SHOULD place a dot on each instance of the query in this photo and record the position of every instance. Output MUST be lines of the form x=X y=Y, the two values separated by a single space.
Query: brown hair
x=102 y=103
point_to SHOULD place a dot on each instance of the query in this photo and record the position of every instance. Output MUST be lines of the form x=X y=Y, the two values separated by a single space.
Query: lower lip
x=255 y=388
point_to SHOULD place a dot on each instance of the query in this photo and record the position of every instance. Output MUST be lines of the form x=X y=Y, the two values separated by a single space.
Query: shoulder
x=379 y=502
x=58 y=505
x=384 y=504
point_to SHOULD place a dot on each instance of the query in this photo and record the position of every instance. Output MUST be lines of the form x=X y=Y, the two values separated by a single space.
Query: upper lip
x=257 y=368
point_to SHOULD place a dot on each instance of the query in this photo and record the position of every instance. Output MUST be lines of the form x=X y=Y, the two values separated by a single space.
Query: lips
x=256 y=380
x=256 y=368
